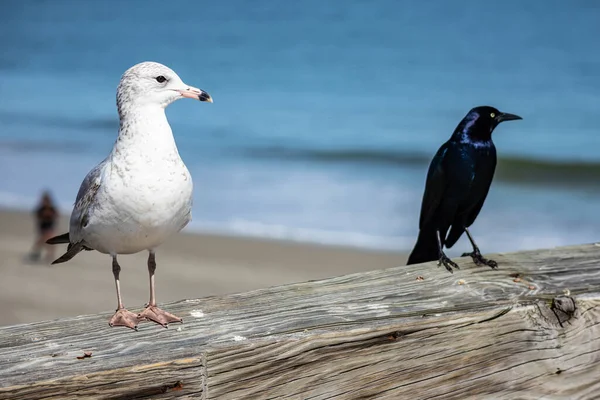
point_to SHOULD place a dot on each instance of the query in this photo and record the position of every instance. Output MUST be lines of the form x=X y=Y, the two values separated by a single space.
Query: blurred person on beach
x=46 y=215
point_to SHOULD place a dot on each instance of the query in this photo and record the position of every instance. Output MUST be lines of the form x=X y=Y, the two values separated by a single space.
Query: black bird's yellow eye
x=160 y=79
x=493 y=115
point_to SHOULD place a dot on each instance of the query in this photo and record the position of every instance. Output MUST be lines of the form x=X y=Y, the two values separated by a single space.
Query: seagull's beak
x=195 y=93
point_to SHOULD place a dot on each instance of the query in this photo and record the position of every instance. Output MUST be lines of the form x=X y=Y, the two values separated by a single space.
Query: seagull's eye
x=493 y=115
x=160 y=79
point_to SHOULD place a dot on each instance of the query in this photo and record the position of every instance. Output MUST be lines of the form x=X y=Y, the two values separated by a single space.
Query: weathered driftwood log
x=530 y=329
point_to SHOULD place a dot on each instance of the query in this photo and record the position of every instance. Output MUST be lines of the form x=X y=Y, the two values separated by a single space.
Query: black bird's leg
x=476 y=254
x=443 y=258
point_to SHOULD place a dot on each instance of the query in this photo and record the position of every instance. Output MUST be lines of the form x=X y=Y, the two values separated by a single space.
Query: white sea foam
x=319 y=205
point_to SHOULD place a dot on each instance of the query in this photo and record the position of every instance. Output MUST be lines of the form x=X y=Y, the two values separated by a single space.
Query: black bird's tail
x=60 y=239
x=426 y=248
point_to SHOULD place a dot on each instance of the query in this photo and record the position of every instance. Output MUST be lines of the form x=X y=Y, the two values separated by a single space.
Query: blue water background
x=326 y=113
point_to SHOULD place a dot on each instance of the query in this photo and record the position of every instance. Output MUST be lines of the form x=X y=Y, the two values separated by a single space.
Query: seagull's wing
x=85 y=202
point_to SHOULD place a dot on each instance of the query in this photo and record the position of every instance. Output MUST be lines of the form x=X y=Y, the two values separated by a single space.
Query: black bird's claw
x=478 y=259
x=448 y=263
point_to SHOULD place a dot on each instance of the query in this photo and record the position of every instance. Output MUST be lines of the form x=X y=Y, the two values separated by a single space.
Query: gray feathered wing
x=80 y=216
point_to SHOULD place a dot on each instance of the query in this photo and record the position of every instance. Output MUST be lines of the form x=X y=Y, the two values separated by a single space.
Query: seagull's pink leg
x=152 y=312
x=122 y=317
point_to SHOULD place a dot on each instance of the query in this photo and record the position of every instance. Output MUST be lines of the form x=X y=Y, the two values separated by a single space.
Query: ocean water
x=326 y=114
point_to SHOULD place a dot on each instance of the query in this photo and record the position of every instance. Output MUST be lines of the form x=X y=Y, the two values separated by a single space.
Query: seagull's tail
x=60 y=239
x=72 y=248
x=426 y=248
x=72 y=251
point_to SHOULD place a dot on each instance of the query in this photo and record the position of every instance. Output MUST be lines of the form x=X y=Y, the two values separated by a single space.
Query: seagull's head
x=149 y=83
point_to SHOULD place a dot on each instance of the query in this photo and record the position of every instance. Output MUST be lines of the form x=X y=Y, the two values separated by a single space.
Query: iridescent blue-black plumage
x=458 y=182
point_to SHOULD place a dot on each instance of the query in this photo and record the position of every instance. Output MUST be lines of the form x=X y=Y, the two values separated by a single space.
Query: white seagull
x=142 y=192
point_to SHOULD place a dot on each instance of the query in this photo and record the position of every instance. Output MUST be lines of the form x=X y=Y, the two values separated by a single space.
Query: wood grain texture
x=384 y=334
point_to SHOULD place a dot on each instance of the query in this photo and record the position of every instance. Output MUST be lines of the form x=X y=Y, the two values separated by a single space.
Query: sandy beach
x=189 y=266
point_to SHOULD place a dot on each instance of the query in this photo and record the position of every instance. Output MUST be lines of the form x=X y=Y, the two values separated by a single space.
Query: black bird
x=458 y=181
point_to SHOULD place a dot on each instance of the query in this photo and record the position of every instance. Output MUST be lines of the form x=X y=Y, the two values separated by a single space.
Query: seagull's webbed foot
x=124 y=317
x=478 y=259
x=155 y=314
x=448 y=263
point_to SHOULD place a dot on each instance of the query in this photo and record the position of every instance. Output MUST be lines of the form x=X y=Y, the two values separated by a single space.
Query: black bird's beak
x=507 y=117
